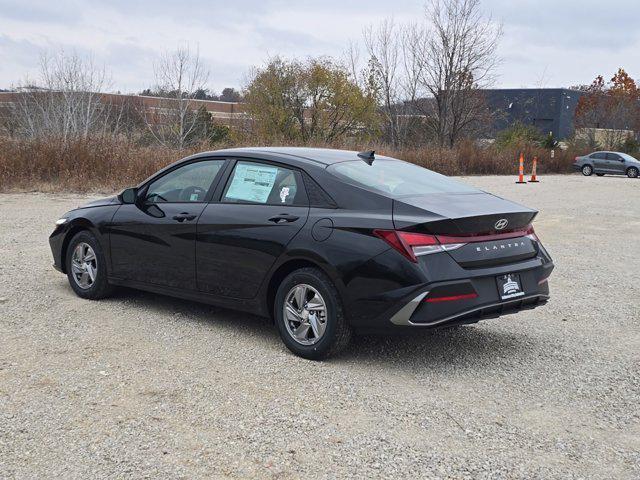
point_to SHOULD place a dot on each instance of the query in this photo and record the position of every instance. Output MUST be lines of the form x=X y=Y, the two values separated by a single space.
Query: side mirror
x=128 y=196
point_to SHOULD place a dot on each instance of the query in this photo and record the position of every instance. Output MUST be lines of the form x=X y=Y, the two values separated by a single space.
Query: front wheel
x=309 y=315
x=86 y=267
x=632 y=172
x=587 y=170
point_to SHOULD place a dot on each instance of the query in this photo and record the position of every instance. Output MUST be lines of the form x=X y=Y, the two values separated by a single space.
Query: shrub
x=630 y=146
x=518 y=136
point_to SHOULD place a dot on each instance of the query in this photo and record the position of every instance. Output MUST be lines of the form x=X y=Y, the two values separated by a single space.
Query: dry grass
x=108 y=164
x=469 y=159
x=80 y=165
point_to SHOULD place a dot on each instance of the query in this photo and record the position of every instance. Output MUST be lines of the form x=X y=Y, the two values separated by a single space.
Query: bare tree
x=179 y=75
x=384 y=48
x=65 y=101
x=455 y=56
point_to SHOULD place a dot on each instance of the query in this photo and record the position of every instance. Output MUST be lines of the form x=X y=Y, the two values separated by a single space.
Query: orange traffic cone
x=534 y=179
x=521 y=170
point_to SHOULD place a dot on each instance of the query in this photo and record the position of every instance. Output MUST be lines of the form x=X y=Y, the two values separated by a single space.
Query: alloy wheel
x=632 y=173
x=305 y=314
x=587 y=170
x=84 y=265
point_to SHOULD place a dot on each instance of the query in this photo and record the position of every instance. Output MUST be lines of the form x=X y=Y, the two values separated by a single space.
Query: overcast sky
x=550 y=43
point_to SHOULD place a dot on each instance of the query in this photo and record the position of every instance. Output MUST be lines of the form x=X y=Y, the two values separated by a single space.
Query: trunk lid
x=459 y=213
x=471 y=221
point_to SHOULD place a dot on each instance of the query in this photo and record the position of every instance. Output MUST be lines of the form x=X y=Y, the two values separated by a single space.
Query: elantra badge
x=501 y=224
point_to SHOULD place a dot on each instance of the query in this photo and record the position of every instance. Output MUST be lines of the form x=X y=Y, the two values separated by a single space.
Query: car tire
x=587 y=170
x=321 y=332
x=87 y=268
x=632 y=172
x=600 y=174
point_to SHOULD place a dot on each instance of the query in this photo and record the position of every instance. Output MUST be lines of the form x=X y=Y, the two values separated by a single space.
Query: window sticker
x=284 y=193
x=252 y=182
x=193 y=197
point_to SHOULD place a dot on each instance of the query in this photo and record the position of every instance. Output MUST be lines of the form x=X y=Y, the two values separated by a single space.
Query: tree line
x=411 y=84
x=404 y=85
x=614 y=107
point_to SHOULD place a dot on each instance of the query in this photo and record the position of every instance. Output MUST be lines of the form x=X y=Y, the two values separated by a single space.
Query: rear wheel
x=309 y=315
x=587 y=170
x=86 y=267
x=632 y=172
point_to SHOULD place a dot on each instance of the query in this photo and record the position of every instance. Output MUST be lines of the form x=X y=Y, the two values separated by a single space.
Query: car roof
x=293 y=156
x=322 y=156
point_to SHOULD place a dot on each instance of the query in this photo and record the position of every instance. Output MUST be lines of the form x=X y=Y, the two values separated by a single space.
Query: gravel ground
x=151 y=387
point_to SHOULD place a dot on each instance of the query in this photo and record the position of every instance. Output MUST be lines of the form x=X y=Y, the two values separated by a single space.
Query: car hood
x=101 y=202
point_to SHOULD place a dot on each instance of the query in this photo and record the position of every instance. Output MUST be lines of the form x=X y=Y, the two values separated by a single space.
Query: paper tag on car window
x=193 y=197
x=284 y=193
x=252 y=182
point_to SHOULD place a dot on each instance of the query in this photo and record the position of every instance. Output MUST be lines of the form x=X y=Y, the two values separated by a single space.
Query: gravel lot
x=146 y=386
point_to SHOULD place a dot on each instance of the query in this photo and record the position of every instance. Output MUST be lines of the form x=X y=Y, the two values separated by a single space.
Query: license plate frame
x=509 y=286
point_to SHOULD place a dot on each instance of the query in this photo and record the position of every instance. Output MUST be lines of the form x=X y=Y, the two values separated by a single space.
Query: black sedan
x=324 y=242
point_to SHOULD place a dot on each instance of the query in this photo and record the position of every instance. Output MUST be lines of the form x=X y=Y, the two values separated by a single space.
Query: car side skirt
x=252 y=306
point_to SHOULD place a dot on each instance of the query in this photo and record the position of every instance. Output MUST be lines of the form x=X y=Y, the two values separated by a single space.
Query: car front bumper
x=56 y=242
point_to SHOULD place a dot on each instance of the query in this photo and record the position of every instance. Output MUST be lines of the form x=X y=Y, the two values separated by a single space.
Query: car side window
x=189 y=183
x=613 y=156
x=599 y=155
x=261 y=183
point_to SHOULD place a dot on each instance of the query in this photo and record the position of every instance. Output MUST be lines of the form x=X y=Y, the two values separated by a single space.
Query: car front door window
x=186 y=184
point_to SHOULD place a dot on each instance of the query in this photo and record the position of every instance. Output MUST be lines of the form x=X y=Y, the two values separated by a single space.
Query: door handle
x=183 y=216
x=284 y=218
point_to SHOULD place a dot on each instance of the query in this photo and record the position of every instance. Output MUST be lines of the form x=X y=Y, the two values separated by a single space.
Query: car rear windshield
x=396 y=178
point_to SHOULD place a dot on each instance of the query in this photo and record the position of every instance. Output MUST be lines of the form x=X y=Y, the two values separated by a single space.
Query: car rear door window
x=396 y=178
x=189 y=183
x=598 y=156
x=262 y=183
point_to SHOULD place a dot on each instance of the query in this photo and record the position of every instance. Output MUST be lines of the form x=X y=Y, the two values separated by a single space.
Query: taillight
x=413 y=245
x=531 y=235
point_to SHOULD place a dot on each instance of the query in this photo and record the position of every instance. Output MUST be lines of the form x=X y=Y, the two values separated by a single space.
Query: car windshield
x=628 y=157
x=396 y=178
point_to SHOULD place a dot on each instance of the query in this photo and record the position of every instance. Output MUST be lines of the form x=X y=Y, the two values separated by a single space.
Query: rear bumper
x=486 y=304
x=474 y=297
x=472 y=315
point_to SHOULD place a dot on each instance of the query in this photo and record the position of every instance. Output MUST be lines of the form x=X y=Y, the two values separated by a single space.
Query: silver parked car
x=608 y=163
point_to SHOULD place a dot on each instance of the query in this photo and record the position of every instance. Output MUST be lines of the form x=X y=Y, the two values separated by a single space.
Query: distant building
x=547 y=109
x=221 y=112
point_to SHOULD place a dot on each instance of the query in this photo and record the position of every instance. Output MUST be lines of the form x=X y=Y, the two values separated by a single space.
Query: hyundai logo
x=501 y=224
